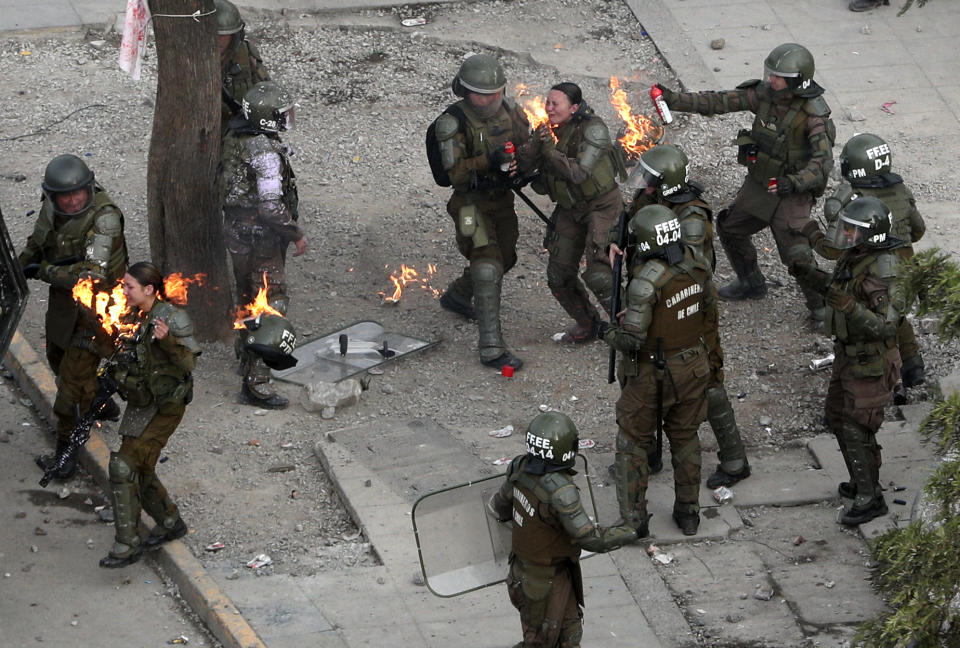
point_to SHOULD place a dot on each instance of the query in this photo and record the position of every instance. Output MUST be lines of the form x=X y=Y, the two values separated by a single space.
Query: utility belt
x=243 y=227
x=670 y=357
x=867 y=358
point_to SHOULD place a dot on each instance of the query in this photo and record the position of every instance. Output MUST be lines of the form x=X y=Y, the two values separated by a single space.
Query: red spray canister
x=656 y=94
x=509 y=149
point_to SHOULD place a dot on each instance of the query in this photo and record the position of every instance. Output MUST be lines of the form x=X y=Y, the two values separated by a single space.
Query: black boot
x=899 y=394
x=112 y=562
x=655 y=463
x=505 y=359
x=913 y=376
x=721 y=477
x=855 y=516
x=160 y=535
x=847 y=489
x=641 y=524
x=866 y=5
x=448 y=301
x=272 y=401
x=688 y=522
x=752 y=286
x=69 y=468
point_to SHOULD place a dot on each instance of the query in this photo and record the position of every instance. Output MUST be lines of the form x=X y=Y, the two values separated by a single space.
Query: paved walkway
x=866 y=61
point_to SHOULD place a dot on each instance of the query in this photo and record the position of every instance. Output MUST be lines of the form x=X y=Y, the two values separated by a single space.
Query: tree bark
x=183 y=204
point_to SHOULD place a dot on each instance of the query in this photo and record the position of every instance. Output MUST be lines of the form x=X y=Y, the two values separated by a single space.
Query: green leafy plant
x=933 y=278
x=909 y=3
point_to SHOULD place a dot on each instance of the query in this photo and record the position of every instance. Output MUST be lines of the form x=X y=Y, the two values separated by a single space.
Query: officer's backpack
x=440 y=175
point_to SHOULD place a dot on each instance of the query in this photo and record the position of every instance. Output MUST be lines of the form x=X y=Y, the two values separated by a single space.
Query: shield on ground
x=347 y=352
x=13 y=289
x=462 y=548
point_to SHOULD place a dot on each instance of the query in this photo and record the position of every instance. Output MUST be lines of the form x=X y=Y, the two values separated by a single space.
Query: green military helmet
x=654 y=228
x=268 y=108
x=66 y=173
x=480 y=73
x=666 y=168
x=272 y=338
x=865 y=221
x=228 y=18
x=794 y=63
x=864 y=156
x=552 y=443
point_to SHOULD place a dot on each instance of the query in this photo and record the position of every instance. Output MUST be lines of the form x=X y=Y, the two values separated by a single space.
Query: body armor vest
x=243 y=71
x=62 y=237
x=240 y=194
x=898 y=202
x=538 y=536
x=781 y=143
x=680 y=313
x=483 y=137
x=848 y=277
x=144 y=373
x=602 y=179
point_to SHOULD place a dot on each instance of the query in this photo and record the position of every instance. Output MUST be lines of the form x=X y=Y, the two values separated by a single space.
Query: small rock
x=74 y=623
x=64 y=492
x=234 y=575
x=799 y=540
x=34 y=548
x=20 y=515
x=97 y=44
x=216 y=450
x=259 y=412
x=763 y=594
x=387 y=388
x=368 y=483
x=767 y=27
x=855 y=115
x=418 y=579
x=40 y=531
x=321 y=395
x=717 y=43
x=734 y=618
x=866 y=30
x=765 y=421
x=829 y=584
x=106 y=514
x=381 y=580
x=328 y=412
x=279 y=468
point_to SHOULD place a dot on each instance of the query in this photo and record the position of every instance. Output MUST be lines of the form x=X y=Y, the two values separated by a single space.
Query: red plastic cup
x=507 y=371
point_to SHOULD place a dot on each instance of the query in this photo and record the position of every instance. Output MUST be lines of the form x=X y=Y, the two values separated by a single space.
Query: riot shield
x=347 y=352
x=462 y=547
x=13 y=289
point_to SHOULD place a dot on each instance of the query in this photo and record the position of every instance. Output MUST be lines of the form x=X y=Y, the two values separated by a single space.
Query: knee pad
x=485 y=271
x=119 y=469
x=628 y=446
x=599 y=279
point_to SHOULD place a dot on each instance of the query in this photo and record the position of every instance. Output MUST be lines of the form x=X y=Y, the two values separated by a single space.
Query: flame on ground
x=175 y=286
x=408 y=275
x=640 y=132
x=259 y=306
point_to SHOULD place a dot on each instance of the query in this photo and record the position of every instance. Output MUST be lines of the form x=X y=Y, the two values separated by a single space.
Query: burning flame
x=408 y=275
x=175 y=286
x=640 y=132
x=260 y=305
x=535 y=109
x=109 y=306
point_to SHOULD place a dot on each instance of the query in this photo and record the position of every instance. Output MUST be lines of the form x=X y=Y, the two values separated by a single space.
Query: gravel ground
x=367 y=88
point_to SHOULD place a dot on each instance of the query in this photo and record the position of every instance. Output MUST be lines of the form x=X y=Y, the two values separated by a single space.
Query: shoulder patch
x=885 y=265
x=653 y=271
x=565 y=497
x=109 y=222
x=446 y=126
x=595 y=132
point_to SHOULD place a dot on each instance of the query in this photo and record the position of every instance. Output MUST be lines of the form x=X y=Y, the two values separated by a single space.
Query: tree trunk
x=183 y=205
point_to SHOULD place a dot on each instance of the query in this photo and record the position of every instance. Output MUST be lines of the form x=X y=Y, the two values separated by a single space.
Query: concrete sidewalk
x=865 y=61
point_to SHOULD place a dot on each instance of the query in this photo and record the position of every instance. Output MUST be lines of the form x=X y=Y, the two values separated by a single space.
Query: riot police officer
x=471 y=135
x=550 y=528
x=579 y=167
x=241 y=67
x=260 y=210
x=866 y=166
x=664 y=366
x=78 y=233
x=864 y=309
x=153 y=372
x=664 y=172
x=788 y=156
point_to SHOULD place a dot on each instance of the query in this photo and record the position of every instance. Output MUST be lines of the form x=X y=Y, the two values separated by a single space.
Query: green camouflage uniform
x=671 y=302
x=696 y=227
x=550 y=528
x=907 y=227
x=792 y=138
x=155 y=378
x=867 y=362
x=242 y=69
x=75 y=340
x=580 y=174
x=482 y=200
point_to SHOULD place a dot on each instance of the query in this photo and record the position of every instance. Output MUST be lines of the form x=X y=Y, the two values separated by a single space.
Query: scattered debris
x=64 y=492
x=213 y=547
x=586 y=444
x=418 y=579
x=281 y=468
x=502 y=461
x=722 y=494
x=717 y=43
x=413 y=22
x=179 y=641
x=766 y=421
x=547 y=408
x=502 y=433
x=260 y=560
x=254 y=442
x=886 y=107
x=829 y=584
x=799 y=540
x=763 y=593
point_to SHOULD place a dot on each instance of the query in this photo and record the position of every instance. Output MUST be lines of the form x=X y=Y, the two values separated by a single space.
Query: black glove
x=668 y=95
x=809 y=228
x=784 y=186
x=496 y=158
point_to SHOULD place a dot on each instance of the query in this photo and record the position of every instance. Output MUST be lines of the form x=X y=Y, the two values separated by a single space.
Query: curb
x=199 y=590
